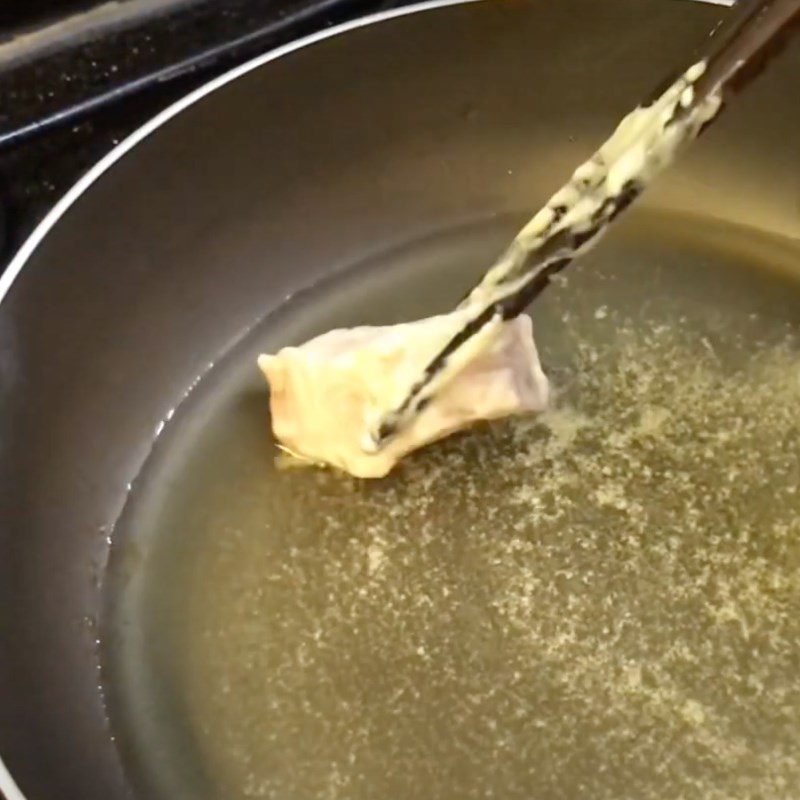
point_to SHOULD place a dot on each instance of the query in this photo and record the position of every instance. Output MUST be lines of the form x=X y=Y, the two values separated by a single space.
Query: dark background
x=16 y=14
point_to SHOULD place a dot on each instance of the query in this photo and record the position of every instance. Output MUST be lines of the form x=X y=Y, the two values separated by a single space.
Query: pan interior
x=602 y=602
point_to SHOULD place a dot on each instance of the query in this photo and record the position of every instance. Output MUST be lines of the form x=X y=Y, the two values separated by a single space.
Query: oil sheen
x=601 y=602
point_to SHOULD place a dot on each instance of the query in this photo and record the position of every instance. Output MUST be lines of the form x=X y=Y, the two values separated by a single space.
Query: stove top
x=73 y=89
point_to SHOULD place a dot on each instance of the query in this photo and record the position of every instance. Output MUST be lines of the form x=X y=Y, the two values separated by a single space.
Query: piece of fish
x=327 y=394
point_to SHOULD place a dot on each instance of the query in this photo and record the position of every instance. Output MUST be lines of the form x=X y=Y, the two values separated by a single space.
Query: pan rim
x=8 y=786
x=73 y=194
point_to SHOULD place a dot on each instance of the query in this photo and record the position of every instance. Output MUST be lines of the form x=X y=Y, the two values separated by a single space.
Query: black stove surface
x=64 y=107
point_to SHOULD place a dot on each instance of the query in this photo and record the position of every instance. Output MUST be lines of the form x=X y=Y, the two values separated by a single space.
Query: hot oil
x=602 y=602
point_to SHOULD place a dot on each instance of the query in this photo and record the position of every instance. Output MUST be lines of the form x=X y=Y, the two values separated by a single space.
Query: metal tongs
x=575 y=217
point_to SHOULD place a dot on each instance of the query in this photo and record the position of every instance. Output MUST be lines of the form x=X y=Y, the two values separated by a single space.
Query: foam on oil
x=602 y=602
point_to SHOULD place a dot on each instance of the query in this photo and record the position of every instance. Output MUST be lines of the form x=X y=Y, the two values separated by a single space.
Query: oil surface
x=602 y=602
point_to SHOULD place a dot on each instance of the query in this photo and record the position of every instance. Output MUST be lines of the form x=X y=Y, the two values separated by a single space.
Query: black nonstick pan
x=368 y=175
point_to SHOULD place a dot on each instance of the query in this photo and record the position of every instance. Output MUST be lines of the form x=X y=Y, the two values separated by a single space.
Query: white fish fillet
x=327 y=394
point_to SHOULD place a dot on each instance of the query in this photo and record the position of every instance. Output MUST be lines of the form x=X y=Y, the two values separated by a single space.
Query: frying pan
x=281 y=172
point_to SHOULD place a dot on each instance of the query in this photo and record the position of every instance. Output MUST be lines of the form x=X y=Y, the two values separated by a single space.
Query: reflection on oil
x=603 y=602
